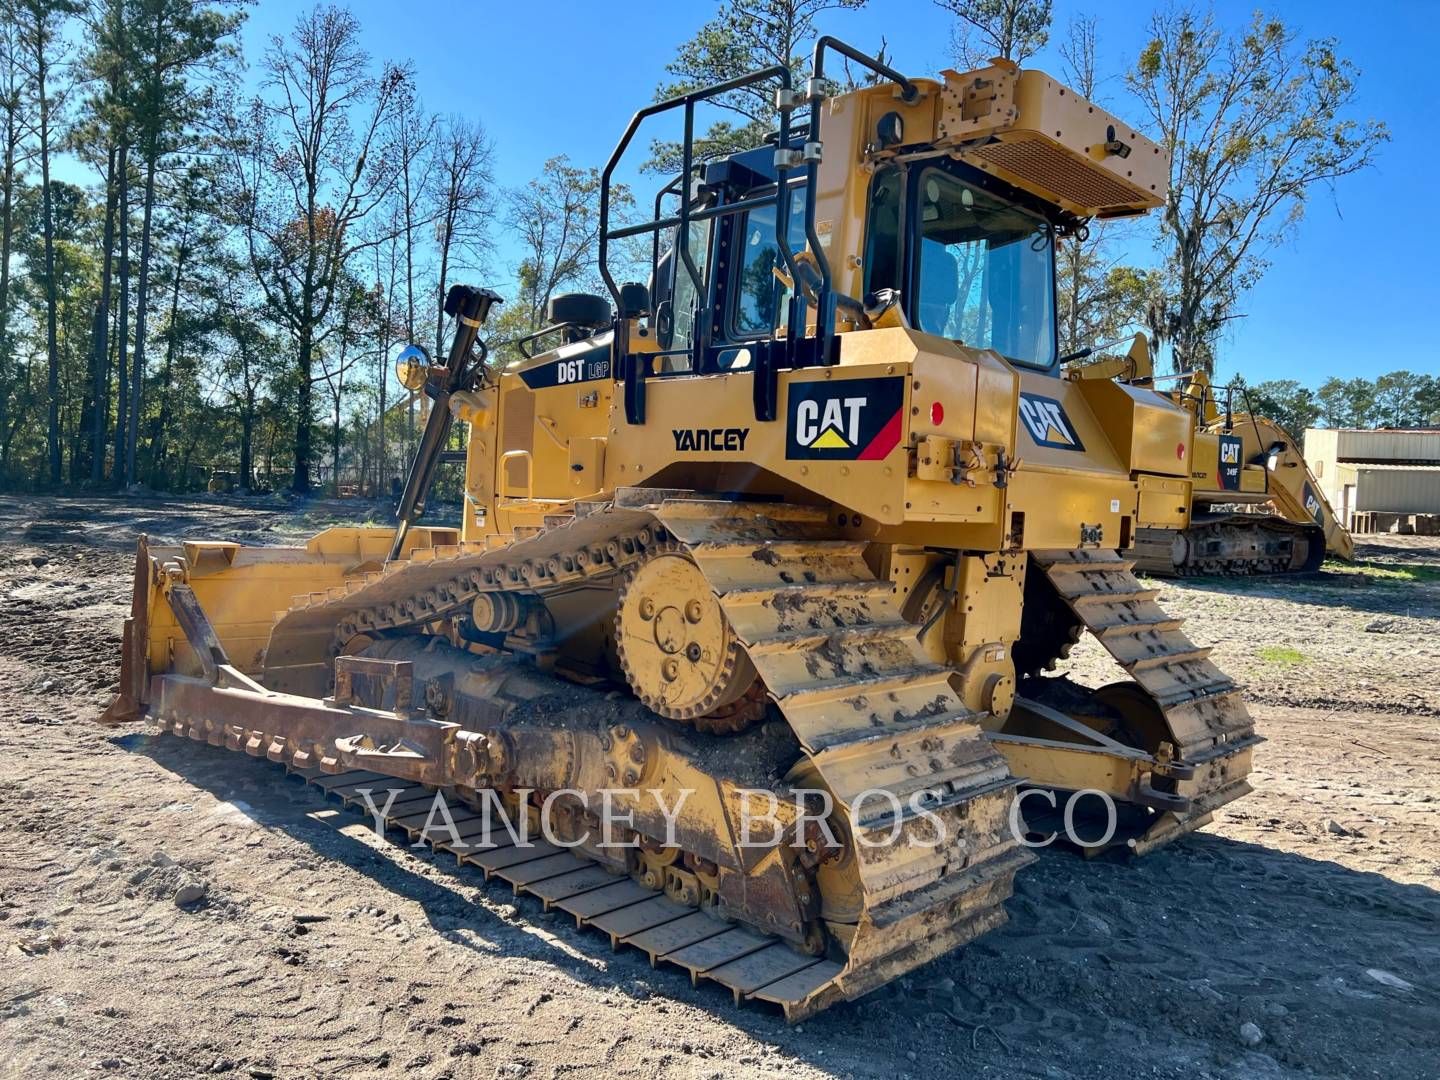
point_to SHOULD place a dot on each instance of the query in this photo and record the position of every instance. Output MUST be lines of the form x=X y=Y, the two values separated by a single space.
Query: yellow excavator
x=789 y=533
x=1255 y=506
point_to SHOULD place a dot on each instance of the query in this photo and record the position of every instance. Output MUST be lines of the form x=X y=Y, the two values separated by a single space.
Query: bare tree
x=462 y=172
x=556 y=218
x=251 y=361
x=308 y=165
x=745 y=35
x=356 y=307
x=412 y=132
x=42 y=29
x=18 y=128
x=387 y=323
x=1099 y=297
x=1252 y=122
x=1009 y=29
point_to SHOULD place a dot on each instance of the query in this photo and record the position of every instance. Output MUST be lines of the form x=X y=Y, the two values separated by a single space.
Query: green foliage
x=1286 y=402
x=1281 y=655
x=744 y=36
x=557 y=219
x=1253 y=121
x=1385 y=573
x=1397 y=399
x=1099 y=300
x=289 y=241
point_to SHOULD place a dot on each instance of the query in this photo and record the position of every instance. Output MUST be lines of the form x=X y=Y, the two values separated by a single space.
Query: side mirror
x=412 y=367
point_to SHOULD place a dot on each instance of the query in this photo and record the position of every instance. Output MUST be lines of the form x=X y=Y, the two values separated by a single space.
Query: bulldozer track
x=869 y=707
x=1202 y=707
x=753 y=966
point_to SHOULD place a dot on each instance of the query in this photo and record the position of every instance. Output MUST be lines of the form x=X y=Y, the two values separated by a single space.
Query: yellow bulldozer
x=1255 y=507
x=788 y=534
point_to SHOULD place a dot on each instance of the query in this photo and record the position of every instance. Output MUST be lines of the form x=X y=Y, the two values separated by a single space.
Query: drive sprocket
x=677 y=649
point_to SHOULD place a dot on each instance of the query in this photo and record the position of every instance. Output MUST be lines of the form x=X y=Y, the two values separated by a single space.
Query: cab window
x=761 y=298
x=685 y=296
x=986 y=271
x=882 y=235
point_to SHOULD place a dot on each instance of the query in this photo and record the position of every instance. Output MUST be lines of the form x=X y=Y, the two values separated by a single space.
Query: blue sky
x=1353 y=293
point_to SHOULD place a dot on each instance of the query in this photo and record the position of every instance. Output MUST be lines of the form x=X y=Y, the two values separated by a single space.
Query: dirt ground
x=1298 y=936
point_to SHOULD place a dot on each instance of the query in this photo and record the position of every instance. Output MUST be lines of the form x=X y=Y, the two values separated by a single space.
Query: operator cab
x=968 y=256
x=759 y=260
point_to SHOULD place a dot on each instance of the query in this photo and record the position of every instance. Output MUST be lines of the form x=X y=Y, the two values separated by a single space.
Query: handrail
x=786 y=158
x=825 y=313
x=535 y=335
x=505 y=459
x=686 y=101
x=720 y=210
x=782 y=75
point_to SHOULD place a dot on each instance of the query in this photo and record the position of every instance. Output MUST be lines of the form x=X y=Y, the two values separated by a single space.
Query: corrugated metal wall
x=1382 y=446
x=1398 y=491
x=1319 y=445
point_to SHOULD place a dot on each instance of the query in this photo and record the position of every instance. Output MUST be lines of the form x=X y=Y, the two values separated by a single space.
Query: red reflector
x=937 y=414
x=1180 y=451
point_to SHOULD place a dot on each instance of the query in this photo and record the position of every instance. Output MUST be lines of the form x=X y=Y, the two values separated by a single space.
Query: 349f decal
x=1230 y=462
x=845 y=419
x=1044 y=418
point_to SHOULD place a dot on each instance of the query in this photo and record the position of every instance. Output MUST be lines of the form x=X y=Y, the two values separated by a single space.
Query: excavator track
x=1231 y=545
x=1193 y=706
x=880 y=726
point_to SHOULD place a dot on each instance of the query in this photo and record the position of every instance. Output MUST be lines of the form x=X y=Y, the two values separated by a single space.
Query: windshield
x=986 y=271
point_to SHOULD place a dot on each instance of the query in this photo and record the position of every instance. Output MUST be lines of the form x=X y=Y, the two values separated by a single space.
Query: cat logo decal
x=1045 y=420
x=845 y=419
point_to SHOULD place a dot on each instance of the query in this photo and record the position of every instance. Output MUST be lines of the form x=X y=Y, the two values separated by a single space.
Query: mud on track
x=1309 y=910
